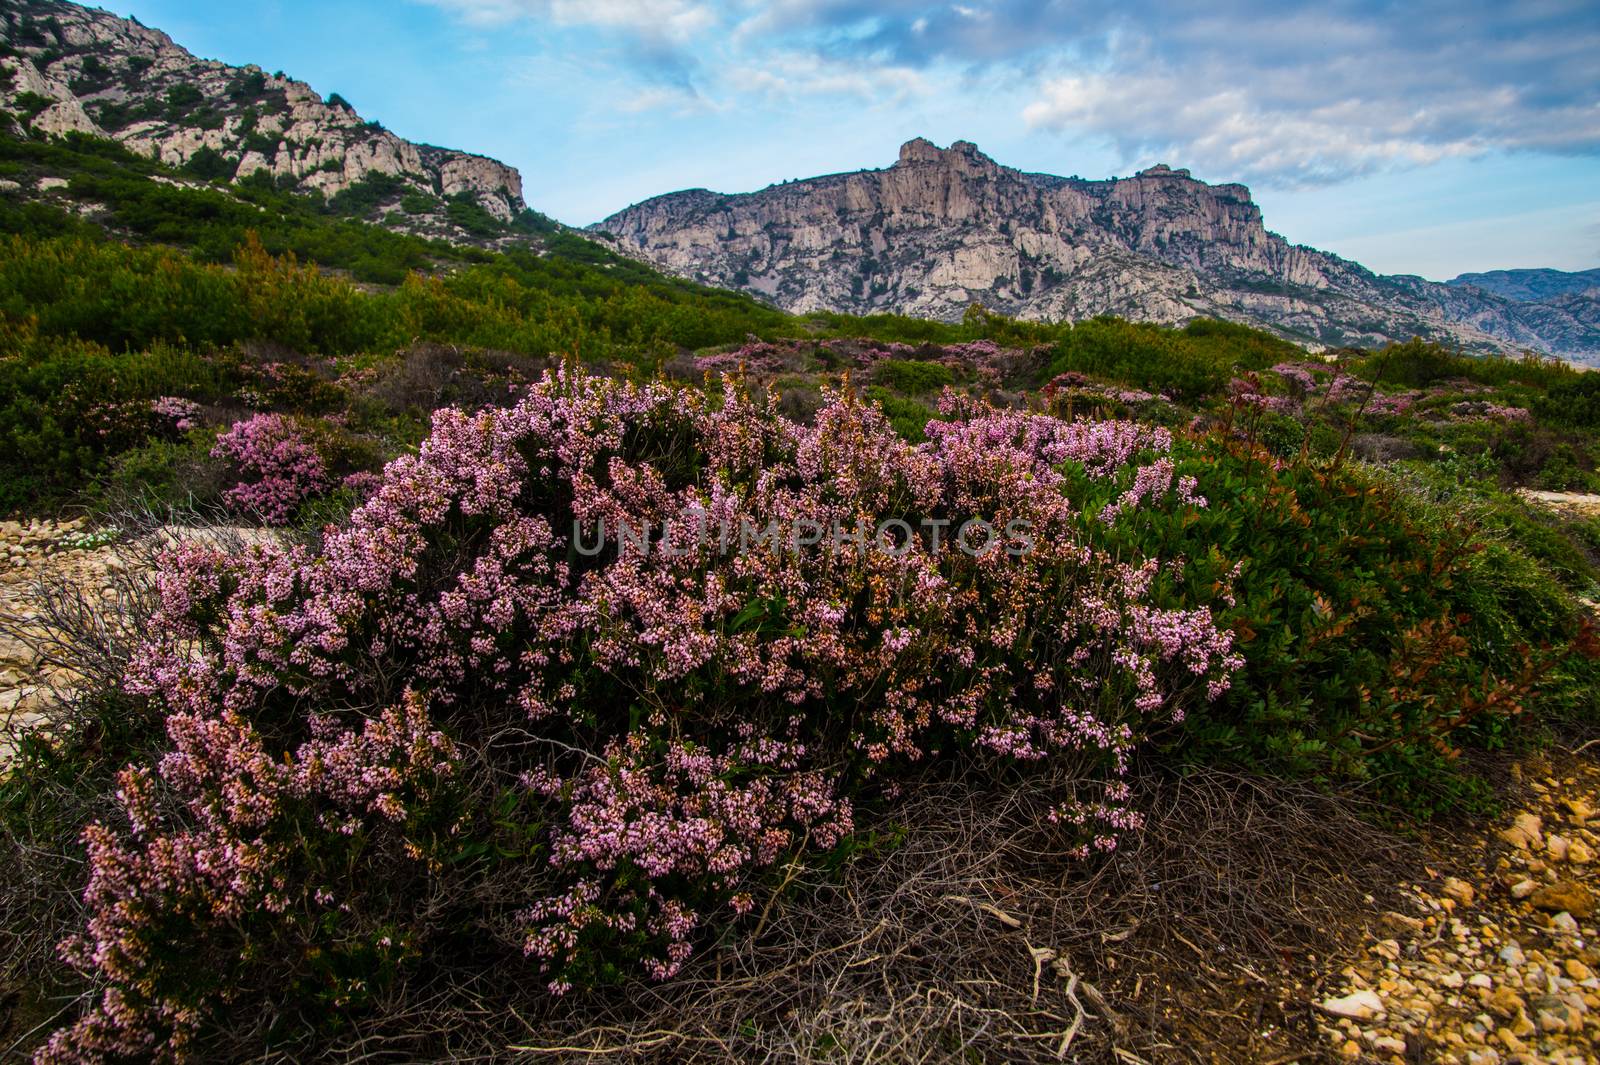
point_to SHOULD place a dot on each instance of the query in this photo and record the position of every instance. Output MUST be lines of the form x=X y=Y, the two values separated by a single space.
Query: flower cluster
x=986 y=360
x=181 y=414
x=1487 y=411
x=233 y=862
x=1072 y=386
x=755 y=357
x=1306 y=381
x=278 y=468
x=678 y=721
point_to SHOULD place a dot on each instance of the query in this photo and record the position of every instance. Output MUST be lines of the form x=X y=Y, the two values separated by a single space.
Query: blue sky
x=1424 y=137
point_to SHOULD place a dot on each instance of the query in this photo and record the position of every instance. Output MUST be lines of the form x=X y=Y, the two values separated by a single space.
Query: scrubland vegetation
x=425 y=738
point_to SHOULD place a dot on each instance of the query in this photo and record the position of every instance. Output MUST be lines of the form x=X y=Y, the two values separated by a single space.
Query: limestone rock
x=1358 y=1006
x=1565 y=896
x=1526 y=832
x=943 y=228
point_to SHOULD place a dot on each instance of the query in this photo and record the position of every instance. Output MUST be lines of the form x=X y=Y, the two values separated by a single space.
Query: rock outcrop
x=78 y=69
x=943 y=228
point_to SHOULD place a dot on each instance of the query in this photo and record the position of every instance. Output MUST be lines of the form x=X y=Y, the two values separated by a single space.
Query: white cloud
x=1286 y=89
x=672 y=19
x=679 y=101
x=1228 y=133
x=1249 y=101
x=801 y=74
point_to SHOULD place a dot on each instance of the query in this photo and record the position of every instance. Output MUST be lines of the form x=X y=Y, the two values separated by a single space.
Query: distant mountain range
x=1532 y=286
x=938 y=230
x=943 y=228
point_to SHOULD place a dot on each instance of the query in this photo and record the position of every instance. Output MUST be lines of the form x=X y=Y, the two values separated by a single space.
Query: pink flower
x=278 y=468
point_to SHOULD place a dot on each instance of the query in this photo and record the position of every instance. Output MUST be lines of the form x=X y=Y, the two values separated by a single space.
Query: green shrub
x=181 y=99
x=908 y=417
x=1373 y=623
x=1190 y=363
x=209 y=164
x=164 y=476
x=913 y=378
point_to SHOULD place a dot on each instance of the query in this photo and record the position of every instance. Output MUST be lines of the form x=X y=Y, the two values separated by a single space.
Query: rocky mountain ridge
x=66 y=68
x=1531 y=286
x=943 y=228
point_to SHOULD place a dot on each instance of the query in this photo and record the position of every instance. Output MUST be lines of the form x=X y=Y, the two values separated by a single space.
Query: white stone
x=1358 y=1005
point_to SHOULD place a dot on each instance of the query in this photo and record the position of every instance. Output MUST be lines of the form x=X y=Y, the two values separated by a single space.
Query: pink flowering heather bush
x=863 y=352
x=277 y=467
x=178 y=413
x=757 y=357
x=455 y=714
x=1070 y=389
x=1494 y=412
x=1306 y=383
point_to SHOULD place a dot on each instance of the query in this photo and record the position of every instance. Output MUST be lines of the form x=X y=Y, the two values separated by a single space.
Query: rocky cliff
x=67 y=68
x=943 y=228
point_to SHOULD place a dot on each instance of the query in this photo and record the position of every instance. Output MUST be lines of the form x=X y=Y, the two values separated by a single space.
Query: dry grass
x=967 y=935
x=976 y=940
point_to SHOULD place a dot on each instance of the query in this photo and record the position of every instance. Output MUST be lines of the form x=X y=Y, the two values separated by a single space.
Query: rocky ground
x=31 y=551
x=1573 y=504
x=102 y=565
x=1495 y=960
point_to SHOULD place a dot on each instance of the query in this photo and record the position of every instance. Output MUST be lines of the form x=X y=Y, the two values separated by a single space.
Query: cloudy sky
x=1422 y=137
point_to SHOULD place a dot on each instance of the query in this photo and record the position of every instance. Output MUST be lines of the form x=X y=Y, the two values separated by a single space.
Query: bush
x=1375 y=625
x=450 y=706
x=181 y=99
x=913 y=378
x=164 y=476
x=276 y=467
x=66 y=406
x=208 y=164
x=1190 y=363
x=906 y=416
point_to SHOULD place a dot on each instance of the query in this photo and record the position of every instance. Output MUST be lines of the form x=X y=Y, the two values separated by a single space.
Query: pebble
x=1526 y=831
x=1358 y=1005
x=1496 y=975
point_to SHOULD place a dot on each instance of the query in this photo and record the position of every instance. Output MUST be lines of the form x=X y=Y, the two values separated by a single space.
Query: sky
x=1432 y=138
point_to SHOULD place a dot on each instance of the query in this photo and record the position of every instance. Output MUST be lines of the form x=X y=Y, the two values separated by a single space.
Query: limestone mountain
x=944 y=228
x=66 y=68
x=1533 y=286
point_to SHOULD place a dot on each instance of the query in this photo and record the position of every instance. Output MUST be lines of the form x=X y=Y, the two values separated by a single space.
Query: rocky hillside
x=66 y=68
x=942 y=228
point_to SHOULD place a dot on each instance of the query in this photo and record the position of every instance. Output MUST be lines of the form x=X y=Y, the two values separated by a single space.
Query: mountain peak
x=920 y=150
